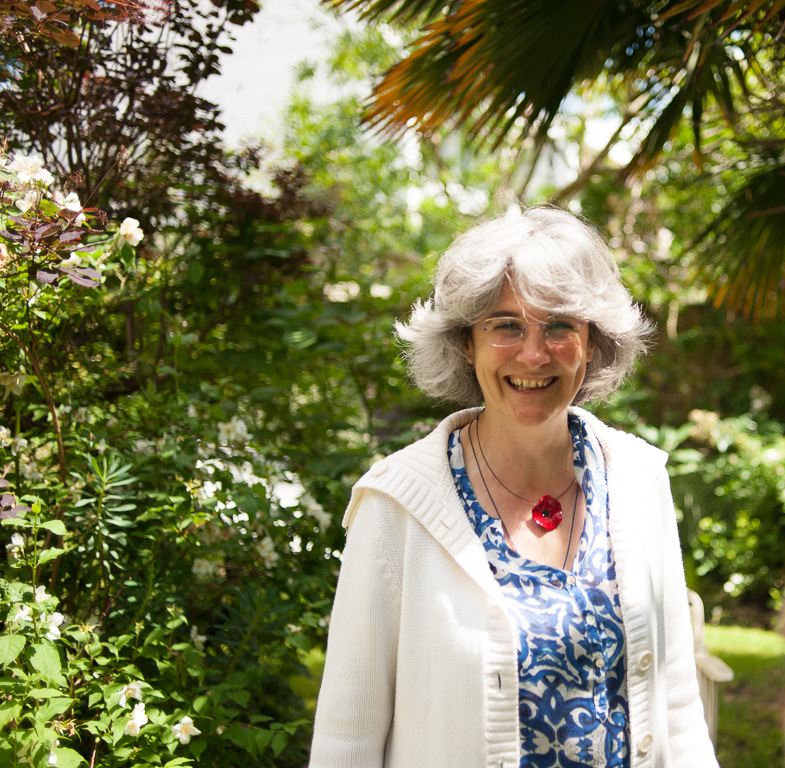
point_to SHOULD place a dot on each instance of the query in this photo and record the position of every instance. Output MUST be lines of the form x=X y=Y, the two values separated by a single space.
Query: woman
x=512 y=591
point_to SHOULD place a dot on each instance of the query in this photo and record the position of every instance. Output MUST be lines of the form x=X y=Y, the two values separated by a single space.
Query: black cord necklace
x=496 y=509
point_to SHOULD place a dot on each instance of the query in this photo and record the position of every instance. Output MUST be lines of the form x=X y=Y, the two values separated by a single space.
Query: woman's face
x=532 y=382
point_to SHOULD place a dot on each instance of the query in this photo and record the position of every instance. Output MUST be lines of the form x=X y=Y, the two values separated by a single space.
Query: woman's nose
x=533 y=350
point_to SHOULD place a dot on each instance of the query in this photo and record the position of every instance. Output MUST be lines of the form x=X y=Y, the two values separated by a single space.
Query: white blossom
x=74 y=260
x=204 y=569
x=233 y=431
x=53 y=623
x=130 y=232
x=71 y=203
x=197 y=639
x=316 y=510
x=185 y=729
x=266 y=551
x=30 y=471
x=131 y=691
x=342 y=292
x=30 y=169
x=14 y=549
x=41 y=595
x=380 y=291
x=31 y=198
x=137 y=722
x=22 y=614
x=13 y=383
x=5 y=436
x=18 y=444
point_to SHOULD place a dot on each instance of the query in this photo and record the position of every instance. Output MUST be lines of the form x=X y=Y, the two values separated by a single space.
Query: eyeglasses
x=509 y=331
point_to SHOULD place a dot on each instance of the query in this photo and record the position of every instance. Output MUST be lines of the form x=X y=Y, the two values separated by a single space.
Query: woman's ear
x=468 y=350
x=590 y=351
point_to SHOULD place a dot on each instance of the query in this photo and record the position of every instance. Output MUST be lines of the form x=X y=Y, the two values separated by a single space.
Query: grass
x=752 y=707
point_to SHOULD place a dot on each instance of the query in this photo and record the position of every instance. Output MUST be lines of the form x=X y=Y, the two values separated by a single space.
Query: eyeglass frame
x=524 y=327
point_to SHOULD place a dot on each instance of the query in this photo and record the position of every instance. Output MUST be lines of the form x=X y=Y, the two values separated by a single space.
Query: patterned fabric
x=571 y=663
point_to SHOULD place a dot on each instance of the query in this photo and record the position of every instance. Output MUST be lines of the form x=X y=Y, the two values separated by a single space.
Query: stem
x=34 y=362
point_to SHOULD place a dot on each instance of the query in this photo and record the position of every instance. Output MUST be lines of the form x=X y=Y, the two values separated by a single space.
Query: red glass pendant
x=547 y=512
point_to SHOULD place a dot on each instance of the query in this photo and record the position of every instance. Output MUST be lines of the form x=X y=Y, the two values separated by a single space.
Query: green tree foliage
x=494 y=68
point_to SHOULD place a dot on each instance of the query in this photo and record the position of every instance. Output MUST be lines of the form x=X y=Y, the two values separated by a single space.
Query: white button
x=644 y=745
x=571 y=580
x=645 y=660
x=599 y=662
x=378 y=469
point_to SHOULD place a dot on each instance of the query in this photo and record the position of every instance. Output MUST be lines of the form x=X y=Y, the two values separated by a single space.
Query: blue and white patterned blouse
x=572 y=700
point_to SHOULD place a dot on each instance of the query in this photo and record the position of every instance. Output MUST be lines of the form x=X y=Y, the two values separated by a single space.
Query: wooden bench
x=711 y=670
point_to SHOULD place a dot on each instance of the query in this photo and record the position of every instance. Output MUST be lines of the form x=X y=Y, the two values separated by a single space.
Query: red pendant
x=547 y=512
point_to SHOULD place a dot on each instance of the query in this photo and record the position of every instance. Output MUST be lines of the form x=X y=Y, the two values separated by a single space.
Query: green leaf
x=46 y=660
x=17 y=522
x=10 y=647
x=67 y=758
x=50 y=554
x=178 y=761
x=44 y=693
x=55 y=526
x=53 y=708
x=196 y=748
x=280 y=740
x=9 y=710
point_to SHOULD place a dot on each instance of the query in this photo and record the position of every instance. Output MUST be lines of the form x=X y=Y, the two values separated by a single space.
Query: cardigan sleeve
x=689 y=741
x=355 y=705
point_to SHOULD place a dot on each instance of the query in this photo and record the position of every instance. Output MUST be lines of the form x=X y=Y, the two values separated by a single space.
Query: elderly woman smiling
x=512 y=591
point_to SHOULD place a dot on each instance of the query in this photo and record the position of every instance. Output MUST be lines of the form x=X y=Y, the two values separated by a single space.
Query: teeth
x=530 y=383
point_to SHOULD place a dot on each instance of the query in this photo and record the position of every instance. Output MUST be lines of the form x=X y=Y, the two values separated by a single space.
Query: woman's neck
x=528 y=460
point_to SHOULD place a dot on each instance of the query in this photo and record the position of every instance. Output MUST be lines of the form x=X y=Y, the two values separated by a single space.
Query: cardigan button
x=645 y=661
x=644 y=745
x=378 y=469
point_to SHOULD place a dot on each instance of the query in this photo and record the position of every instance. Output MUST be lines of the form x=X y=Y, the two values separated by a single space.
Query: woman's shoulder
x=416 y=472
x=621 y=446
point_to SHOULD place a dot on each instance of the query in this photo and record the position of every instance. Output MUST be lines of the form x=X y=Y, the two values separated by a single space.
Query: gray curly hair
x=557 y=263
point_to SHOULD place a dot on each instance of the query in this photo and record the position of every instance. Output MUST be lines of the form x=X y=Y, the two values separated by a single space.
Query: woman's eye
x=508 y=326
x=561 y=324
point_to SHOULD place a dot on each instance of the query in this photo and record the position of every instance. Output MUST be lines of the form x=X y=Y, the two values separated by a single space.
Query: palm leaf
x=744 y=250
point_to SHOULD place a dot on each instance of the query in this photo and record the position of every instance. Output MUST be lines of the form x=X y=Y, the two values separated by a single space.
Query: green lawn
x=752 y=707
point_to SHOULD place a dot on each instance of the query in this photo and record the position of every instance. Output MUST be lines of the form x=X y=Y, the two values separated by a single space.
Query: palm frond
x=744 y=249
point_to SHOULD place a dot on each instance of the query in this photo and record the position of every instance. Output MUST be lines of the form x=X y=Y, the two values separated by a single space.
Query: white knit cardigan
x=421 y=668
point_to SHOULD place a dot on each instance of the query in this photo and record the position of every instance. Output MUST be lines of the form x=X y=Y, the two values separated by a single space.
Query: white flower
x=52 y=760
x=185 y=729
x=71 y=203
x=5 y=436
x=24 y=204
x=204 y=569
x=74 y=260
x=41 y=595
x=341 y=292
x=266 y=551
x=14 y=549
x=18 y=444
x=131 y=691
x=137 y=722
x=22 y=614
x=316 y=510
x=197 y=639
x=379 y=291
x=53 y=623
x=13 y=383
x=233 y=431
x=30 y=471
x=30 y=169
x=130 y=232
